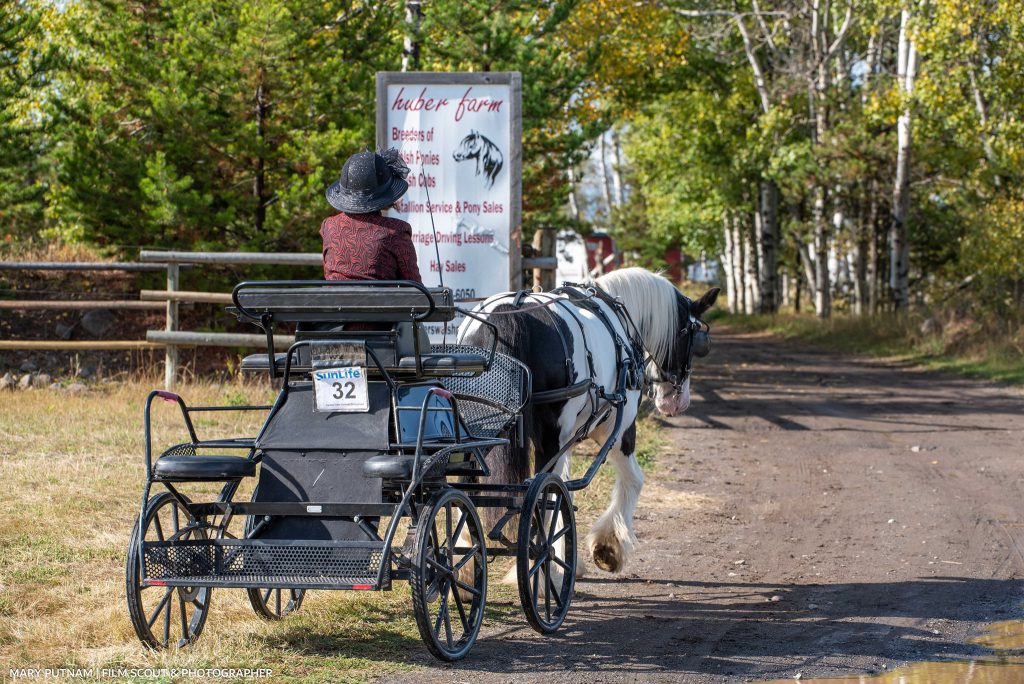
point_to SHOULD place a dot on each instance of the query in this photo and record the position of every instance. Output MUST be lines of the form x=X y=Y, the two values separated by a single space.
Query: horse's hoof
x=607 y=557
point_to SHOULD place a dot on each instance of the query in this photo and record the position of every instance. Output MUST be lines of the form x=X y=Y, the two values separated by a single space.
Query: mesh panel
x=504 y=384
x=181 y=450
x=263 y=564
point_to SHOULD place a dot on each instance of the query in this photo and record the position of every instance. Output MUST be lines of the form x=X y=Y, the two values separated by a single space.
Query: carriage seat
x=388 y=467
x=188 y=468
x=257 y=363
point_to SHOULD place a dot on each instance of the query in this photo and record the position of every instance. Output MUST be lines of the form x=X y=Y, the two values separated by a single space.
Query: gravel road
x=814 y=514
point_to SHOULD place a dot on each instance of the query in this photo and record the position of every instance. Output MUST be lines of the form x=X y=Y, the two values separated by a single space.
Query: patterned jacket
x=368 y=247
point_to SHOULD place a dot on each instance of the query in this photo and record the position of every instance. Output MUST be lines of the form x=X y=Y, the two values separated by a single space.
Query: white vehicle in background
x=584 y=257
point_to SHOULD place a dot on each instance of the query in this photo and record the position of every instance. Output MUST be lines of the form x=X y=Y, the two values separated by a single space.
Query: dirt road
x=814 y=514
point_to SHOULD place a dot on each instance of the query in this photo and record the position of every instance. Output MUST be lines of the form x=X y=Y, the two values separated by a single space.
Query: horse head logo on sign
x=489 y=159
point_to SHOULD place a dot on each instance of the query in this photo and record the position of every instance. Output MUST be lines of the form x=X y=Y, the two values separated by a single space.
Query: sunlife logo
x=339 y=374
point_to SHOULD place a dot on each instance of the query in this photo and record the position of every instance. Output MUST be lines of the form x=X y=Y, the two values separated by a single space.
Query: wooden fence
x=169 y=299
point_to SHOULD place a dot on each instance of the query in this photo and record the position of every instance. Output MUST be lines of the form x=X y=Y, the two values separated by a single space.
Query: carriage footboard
x=244 y=563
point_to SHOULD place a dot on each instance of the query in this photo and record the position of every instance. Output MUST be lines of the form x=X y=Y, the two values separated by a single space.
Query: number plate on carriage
x=341 y=390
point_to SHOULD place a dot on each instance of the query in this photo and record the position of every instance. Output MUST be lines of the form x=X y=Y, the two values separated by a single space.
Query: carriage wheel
x=164 y=616
x=546 y=557
x=271 y=603
x=449 y=575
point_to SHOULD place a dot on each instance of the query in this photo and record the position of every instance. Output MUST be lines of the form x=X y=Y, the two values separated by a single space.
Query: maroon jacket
x=368 y=247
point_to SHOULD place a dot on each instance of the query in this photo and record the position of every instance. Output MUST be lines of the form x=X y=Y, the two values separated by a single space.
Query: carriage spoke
x=437 y=622
x=174 y=509
x=159 y=528
x=536 y=585
x=540 y=562
x=447 y=620
x=184 y=621
x=554 y=589
x=561 y=533
x=450 y=543
x=470 y=555
x=437 y=566
x=462 y=610
x=266 y=597
x=167 y=623
x=547 y=593
x=565 y=566
x=458 y=528
x=465 y=587
x=554 y=517
x=160 y=606
x=198 y=604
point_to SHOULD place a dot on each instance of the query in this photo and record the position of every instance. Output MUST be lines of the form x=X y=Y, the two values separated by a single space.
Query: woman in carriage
x=361 y=243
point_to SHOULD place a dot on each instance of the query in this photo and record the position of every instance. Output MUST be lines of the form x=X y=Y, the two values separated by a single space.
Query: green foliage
x=26 y=62
x=529 y=37
x=214 y=125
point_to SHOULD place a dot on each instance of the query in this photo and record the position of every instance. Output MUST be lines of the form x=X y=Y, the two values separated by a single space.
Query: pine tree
x=216 y=125
x=26 y=64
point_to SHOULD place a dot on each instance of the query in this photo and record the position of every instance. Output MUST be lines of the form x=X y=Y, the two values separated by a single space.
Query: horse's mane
x=651 y=300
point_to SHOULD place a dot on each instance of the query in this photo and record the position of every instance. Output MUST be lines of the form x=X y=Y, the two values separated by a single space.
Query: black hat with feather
x=369 y=182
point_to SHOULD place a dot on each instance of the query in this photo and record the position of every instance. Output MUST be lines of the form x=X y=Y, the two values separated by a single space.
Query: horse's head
x=670 y=378
x=468 y=148
x=670 y=328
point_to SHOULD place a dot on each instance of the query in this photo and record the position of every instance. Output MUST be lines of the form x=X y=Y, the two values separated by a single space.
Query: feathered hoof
x=608 y=556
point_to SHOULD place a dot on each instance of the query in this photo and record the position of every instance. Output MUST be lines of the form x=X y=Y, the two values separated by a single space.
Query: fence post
x=171 y=358
x=544 y=243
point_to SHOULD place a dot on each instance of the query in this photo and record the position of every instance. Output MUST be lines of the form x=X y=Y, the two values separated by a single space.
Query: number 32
x=348 y=391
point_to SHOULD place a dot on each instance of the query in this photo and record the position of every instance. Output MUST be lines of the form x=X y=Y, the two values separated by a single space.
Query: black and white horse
x=489 y=159
x=665 y=320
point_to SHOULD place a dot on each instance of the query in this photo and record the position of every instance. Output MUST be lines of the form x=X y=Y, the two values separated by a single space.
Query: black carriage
x=374 y=434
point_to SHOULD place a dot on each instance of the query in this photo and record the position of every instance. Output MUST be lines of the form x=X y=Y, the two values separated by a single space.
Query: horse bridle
x=698 y=343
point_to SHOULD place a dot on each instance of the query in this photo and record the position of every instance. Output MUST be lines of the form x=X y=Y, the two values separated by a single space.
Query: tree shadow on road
x=736 y=629
x=789 y=387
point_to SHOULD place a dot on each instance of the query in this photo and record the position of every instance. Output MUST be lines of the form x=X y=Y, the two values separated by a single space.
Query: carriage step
x=313 y=564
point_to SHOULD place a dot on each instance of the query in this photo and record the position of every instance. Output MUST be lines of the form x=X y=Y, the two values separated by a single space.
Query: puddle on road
x=997 y=669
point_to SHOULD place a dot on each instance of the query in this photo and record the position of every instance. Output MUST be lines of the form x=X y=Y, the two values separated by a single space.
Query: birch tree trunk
x=574 y=207
x=872 y=238
x=728 y=268
x=750 y=261
x=860 y=263
x=618 y=195
x=606 y=191
x=899 y=246
x=740 y=263
x=768 y=242
x=411 y=41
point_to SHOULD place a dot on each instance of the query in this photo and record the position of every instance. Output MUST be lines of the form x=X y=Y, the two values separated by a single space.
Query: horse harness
x=629 y=353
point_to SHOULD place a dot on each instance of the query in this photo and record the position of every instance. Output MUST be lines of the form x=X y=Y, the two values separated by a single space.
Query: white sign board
x=460 y=134
x=341 y=389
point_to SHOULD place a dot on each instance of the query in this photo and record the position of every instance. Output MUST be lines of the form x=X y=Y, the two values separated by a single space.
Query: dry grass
x=72 y=473
x=983 y=345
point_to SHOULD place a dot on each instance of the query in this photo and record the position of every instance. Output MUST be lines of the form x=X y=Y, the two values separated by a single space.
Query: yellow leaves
x=638 y=42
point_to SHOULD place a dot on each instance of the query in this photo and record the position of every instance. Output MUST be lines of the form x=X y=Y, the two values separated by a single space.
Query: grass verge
x=993 y=350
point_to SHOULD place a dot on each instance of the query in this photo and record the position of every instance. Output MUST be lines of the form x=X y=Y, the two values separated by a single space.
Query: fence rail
x=80 y=266
x=77 y=304
x=168 y=300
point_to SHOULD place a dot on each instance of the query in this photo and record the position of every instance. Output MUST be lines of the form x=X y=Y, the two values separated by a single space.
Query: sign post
x=461 y=136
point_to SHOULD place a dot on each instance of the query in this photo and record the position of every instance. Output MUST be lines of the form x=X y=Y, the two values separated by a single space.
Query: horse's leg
x=611 y=539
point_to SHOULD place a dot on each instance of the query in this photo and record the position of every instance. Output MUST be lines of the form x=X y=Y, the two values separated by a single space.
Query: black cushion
x=388 y=467
x=259 y=362
x=180 y=468
x=452 y=362
x=400 y=467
